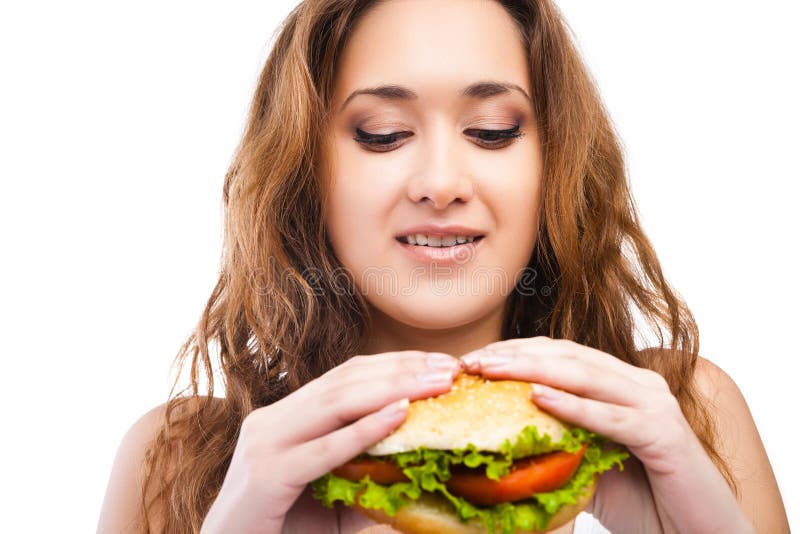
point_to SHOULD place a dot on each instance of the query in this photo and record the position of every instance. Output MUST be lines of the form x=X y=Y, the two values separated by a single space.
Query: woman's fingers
x=612 y=421
x=361 y=387
x=547 y=365
x=593 y=390
x=636 y=428
x=369 y=365
x=561 y=348
x=319 y=456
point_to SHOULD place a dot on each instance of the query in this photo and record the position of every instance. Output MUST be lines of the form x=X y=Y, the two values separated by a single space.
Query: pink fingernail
x=394 y=409
x=435 y=377
x=470 y=359
x=543 y=392
x=441 y=361
x=495 y=359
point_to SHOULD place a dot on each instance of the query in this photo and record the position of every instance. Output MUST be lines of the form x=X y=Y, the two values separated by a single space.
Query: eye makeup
x=486 y=138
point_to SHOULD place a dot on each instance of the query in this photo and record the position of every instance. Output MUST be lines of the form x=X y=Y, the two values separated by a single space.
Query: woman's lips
x=456 y=254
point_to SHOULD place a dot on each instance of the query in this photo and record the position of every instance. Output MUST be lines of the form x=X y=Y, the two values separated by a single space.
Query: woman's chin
x=439 y=313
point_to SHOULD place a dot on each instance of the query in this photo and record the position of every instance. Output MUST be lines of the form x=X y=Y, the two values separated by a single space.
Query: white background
x=117 y=124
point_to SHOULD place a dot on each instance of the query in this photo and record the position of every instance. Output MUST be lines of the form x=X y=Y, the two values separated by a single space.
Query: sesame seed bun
x=479 y=411
x=475 y=410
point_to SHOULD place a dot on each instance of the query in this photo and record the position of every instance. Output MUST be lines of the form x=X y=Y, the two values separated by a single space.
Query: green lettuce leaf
x=428 y=469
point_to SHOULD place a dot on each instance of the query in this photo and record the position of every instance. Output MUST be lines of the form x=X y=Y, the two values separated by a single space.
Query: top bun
x=478 y=411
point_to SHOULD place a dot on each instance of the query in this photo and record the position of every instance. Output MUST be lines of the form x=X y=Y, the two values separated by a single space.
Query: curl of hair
x=279 y=317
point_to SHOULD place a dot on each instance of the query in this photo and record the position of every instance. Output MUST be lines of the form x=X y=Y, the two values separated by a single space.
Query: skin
x=440 y=174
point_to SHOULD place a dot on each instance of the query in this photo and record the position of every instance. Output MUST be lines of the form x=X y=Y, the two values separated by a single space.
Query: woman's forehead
x=433 y=47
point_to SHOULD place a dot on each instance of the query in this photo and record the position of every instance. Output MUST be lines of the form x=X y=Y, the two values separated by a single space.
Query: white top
x=585 y=523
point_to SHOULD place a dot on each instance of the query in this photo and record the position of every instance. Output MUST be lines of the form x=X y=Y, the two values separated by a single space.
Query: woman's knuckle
x=253 y=421
x=655 y=379
x=356 y=360
x=561 y=343
x=619 y=417
x=252 y=453
x=671 y=406
x=568 y=349
x=566 y=343
x=332 y=395
x=663 y=407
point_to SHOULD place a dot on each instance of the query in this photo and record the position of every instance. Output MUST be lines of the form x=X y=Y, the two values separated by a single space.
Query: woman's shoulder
x=120 y=511
x=145 y=428
x=708 y=376
x=739 y=442
x=712 y=380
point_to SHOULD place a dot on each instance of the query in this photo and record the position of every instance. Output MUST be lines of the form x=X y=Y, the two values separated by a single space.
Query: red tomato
x=546 y=472
x=378 y=471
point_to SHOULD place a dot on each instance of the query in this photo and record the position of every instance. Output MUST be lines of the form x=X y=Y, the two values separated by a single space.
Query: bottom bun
x=433 y=514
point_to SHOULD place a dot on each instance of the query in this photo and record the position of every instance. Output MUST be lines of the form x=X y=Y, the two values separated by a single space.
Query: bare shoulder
x=120 y=511
x=740 y=444
x=722 y=393
x=713 y=381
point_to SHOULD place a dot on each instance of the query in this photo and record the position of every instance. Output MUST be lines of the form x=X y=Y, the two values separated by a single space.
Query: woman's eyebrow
x=478 y=90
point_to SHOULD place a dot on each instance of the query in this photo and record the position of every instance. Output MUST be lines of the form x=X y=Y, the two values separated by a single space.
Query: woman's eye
x=496 y=138
x=492 y=139
x=380 y=142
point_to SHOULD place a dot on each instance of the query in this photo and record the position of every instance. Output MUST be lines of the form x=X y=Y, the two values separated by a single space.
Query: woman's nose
x=442 y=177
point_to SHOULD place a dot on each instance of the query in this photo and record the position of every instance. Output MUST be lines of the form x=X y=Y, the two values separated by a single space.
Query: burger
x=480 y=458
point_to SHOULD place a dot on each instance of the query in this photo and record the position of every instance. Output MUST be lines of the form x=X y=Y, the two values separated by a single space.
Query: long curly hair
x=275 y=319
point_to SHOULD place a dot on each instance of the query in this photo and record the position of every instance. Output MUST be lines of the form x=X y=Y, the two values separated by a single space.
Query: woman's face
x=441 y=165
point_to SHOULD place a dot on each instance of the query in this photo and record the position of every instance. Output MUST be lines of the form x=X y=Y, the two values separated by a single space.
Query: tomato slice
x=379 y=472
x=545 y=472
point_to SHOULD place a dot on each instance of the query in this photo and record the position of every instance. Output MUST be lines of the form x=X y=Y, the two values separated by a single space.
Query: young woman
x=423 y=180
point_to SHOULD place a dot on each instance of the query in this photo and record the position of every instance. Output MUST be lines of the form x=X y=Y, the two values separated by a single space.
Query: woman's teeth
x=437 y=241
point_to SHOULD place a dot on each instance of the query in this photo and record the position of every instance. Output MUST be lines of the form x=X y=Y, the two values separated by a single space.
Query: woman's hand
x=635 y=408
x=284 y=446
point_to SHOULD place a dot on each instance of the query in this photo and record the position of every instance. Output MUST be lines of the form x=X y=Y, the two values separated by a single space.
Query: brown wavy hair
x=277 y=317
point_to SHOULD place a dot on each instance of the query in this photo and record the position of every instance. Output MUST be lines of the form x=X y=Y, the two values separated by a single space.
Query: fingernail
x=470 y=359
x=495 y=359
x=543 y=392
x=441 y=361
x=394 y=409
x=437 y=376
